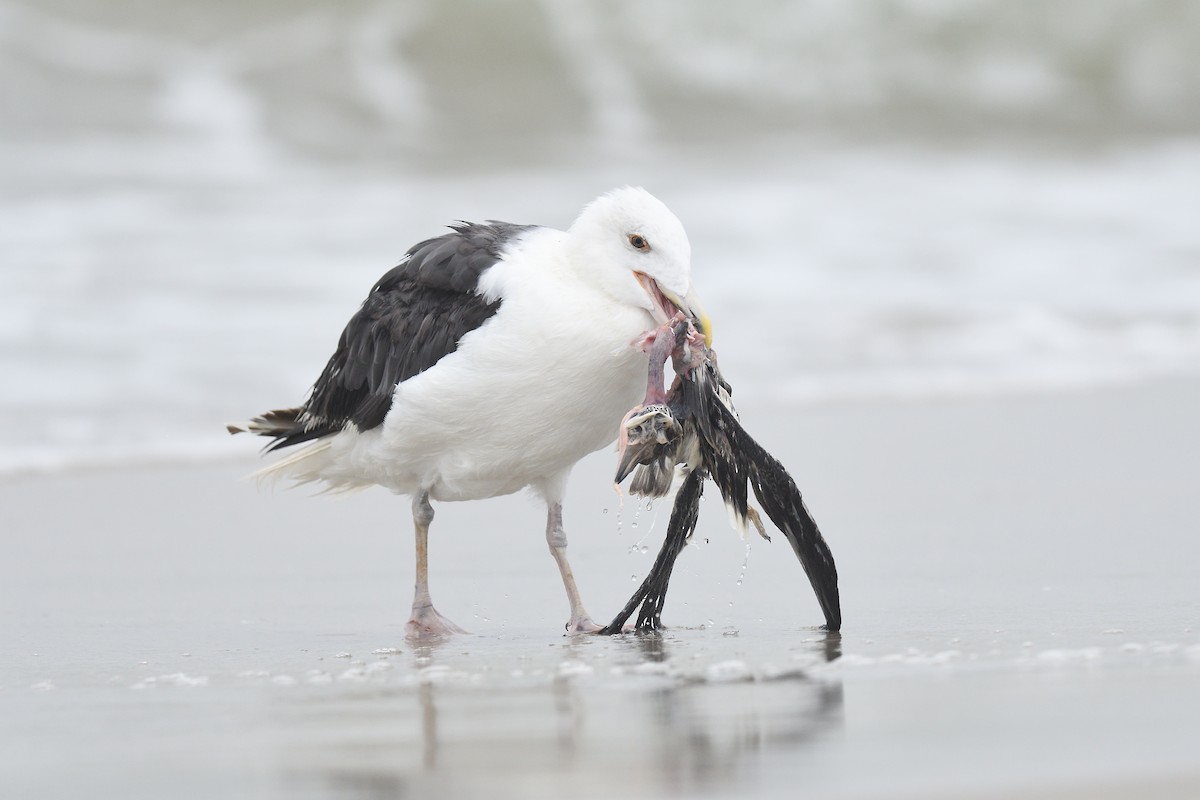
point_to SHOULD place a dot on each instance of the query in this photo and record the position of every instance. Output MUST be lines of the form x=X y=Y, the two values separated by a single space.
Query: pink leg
x=425 y=620
x=581 y=621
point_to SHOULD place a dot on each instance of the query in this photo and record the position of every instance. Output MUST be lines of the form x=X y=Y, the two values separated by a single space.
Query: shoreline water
x=1017 y=577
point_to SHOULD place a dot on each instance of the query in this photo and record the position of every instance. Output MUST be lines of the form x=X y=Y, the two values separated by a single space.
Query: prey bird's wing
x=652 y=594
x=781 y=499
x=413 y=317
x=716 y=446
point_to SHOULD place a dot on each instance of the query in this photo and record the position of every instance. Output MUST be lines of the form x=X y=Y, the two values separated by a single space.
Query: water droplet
x=745 y=563
x=644 y=550
x=604 y=511
x=633 y=577
x=633 y=524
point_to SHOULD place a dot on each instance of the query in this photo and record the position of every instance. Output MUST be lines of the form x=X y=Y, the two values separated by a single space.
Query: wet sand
x=1019 y=590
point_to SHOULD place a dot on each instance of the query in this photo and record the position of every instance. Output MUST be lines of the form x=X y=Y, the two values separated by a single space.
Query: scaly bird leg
x=658 y=345
x=425 y=620
x=649 y=430
x=556 y=538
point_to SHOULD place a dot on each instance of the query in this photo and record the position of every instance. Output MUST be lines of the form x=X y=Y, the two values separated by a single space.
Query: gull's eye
x=638 y=242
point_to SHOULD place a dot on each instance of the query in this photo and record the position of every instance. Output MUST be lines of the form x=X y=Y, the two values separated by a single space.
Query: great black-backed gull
x=492 y=359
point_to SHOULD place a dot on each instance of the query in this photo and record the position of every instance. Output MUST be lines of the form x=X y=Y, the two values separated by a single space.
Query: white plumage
x=523 y=395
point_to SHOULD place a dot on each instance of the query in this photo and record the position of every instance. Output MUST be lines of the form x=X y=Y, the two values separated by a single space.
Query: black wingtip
x=780 y=498
x=652 y=594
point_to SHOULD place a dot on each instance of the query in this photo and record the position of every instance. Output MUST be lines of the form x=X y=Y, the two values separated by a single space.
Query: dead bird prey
x=694 y=426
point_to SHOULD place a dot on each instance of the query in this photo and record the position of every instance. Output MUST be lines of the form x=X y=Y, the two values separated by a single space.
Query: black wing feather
x=414 y=316
x=781 y=499
x=652 y=594
x=734 y=461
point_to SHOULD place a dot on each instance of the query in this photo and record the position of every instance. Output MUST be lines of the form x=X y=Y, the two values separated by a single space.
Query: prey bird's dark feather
x=779 y=496
x=652 y=594
x=701 y=421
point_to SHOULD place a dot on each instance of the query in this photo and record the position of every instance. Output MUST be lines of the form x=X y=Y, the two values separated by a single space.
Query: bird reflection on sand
x=639 y=713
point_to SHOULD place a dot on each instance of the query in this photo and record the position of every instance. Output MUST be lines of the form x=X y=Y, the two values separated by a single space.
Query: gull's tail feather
x=302 y=466
x=285 y=426
x=310 y=464
x=276 y=424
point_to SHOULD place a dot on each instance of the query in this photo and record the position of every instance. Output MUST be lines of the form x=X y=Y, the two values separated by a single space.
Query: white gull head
x=629 y=244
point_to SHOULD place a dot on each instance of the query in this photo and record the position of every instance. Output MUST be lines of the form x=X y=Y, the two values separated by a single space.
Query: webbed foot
x=427 y=622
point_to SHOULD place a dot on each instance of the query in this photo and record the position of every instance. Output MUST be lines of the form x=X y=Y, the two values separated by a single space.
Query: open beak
x=665 y=303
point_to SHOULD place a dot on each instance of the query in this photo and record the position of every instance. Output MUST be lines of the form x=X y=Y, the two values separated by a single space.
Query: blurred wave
x=367 y=80
x=890 y=198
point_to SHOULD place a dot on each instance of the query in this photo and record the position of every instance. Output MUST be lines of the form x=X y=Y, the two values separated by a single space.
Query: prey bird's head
x=637 y=250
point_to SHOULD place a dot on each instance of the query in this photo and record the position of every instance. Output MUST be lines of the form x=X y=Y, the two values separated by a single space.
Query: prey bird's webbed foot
x=426 y=623
x=756 y=520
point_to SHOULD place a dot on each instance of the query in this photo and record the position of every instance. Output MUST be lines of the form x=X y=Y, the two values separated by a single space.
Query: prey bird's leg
x=690 y=351
x=556 y=538
x=649 y=426
x=659 y=344
x=425 y=620
x=658 y=352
